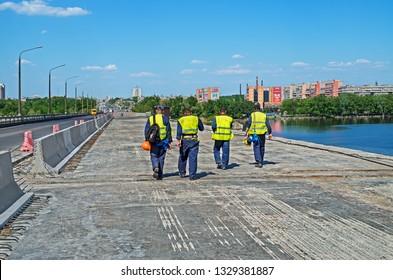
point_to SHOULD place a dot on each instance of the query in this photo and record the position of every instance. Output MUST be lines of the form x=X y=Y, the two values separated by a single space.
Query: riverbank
x=299 y=117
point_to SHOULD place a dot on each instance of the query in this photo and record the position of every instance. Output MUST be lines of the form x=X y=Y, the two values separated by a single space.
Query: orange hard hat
x=146 y=146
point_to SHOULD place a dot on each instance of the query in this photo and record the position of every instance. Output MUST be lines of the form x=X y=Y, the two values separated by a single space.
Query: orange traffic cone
x=28 y=144
x=56 y=128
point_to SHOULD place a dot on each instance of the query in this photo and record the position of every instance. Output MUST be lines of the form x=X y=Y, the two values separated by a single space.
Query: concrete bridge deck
x=305 y=203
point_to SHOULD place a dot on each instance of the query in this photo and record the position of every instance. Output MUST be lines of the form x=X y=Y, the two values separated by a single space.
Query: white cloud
x=362 y=61
x=24 y=61
x=109 y=67
x=300 y=64
x=142 y=74
x=195 y=61
x=186 y=72
x=232 y=70
x=380 y=64
x=339 y=64
x=237 y=56
x=44 y=31
x=41 y=8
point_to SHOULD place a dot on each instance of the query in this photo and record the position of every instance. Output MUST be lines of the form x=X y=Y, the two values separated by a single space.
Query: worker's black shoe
x=182 y=175
x=259 y=165
x=155 y=174
x=219 y=166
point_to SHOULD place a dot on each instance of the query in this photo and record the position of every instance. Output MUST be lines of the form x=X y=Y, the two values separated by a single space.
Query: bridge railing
x=17 y=120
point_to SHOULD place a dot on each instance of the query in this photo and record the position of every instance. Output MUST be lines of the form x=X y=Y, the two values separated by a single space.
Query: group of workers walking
x=188 y=127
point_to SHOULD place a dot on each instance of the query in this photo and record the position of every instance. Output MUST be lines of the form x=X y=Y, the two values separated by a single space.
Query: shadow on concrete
x=232 y=165
x=265 y=162
x=204 y=174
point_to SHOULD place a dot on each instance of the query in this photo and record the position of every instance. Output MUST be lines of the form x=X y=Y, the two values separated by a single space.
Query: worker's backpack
x=153 y=134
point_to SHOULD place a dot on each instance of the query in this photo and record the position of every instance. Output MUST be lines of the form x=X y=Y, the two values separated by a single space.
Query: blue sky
x=170 y=47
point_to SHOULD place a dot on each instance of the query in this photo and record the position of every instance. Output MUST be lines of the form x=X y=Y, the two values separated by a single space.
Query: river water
x=366 y=134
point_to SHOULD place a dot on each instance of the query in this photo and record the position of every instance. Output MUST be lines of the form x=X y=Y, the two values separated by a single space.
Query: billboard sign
x=277 y=94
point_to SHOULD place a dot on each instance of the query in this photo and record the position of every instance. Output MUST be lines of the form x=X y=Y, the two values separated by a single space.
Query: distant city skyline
x=175 y=47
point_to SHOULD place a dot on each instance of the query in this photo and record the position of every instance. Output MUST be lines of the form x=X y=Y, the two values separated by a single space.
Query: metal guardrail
x=17 y=120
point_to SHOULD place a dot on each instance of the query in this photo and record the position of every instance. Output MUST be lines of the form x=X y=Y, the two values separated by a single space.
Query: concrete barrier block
x=91 y=127
x=76 y=137
x=60 y=145
x=9 y=189
x=54 y=151
x=68 y=141
x=83 y=131
x=50 y=150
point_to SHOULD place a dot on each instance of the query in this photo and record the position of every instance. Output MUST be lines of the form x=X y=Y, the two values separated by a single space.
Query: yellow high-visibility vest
x=189 y=125
x=258 y=123
x=160 y=122
x=223 y=128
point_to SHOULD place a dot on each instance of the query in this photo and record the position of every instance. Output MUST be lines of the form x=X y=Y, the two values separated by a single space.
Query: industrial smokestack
x=257 y=82
x=240 y=89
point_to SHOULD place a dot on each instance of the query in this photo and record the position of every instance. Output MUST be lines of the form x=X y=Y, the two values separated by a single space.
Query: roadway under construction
x=307 y=202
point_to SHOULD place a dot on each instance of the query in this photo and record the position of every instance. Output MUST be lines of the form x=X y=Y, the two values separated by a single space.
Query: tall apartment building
x=255 y=94
x=294 y=91
x=137 y=92
x=330 y=88
x=367 y=89
x=271 y=96
x=2 y=91
x=307 y=90
x=206 y=94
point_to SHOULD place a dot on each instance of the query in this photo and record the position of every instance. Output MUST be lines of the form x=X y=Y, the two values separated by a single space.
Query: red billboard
x=277 y=94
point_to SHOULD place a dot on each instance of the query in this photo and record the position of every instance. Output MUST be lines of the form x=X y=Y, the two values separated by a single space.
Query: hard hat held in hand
x=246 y=142
x=146 y=146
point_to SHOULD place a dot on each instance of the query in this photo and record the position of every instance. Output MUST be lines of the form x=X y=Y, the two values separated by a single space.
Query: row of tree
x=206 y=110
x=38 y=106
x=343 y=105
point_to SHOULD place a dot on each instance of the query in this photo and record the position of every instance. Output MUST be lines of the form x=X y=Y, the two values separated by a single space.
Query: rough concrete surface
x=305 y=203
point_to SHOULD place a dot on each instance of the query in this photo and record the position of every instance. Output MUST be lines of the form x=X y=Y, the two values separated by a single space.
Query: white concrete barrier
x=12 y=198
x=52 y=152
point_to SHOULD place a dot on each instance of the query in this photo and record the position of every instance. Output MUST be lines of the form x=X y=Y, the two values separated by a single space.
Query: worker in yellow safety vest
x=258 y=125
x=222 y=134
x=188 y=143
x=158 y=150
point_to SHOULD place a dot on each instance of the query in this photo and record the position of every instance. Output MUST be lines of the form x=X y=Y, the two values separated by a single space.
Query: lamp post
x=76 y=93
x=50 y=95
x=65 y=93
x=82 y=103
x=20 y=77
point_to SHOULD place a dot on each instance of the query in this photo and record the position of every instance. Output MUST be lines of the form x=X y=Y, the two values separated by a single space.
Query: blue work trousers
x=259 y=148
x=224 y=158
x=157 y=157
x=188 y=150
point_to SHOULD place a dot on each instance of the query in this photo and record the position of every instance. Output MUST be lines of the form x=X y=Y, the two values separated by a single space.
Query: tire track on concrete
x=310 y=235
x=172 y=226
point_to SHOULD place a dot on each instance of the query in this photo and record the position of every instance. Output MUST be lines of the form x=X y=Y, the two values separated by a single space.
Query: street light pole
x=76 y=93
x=65 y=93
x=82 y=103
x=20 y=77
x=50 y=95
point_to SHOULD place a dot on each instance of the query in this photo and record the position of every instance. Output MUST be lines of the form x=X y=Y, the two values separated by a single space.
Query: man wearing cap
x=222 y=134
x=158 y=151
x=187 y=141
x=259 y=125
